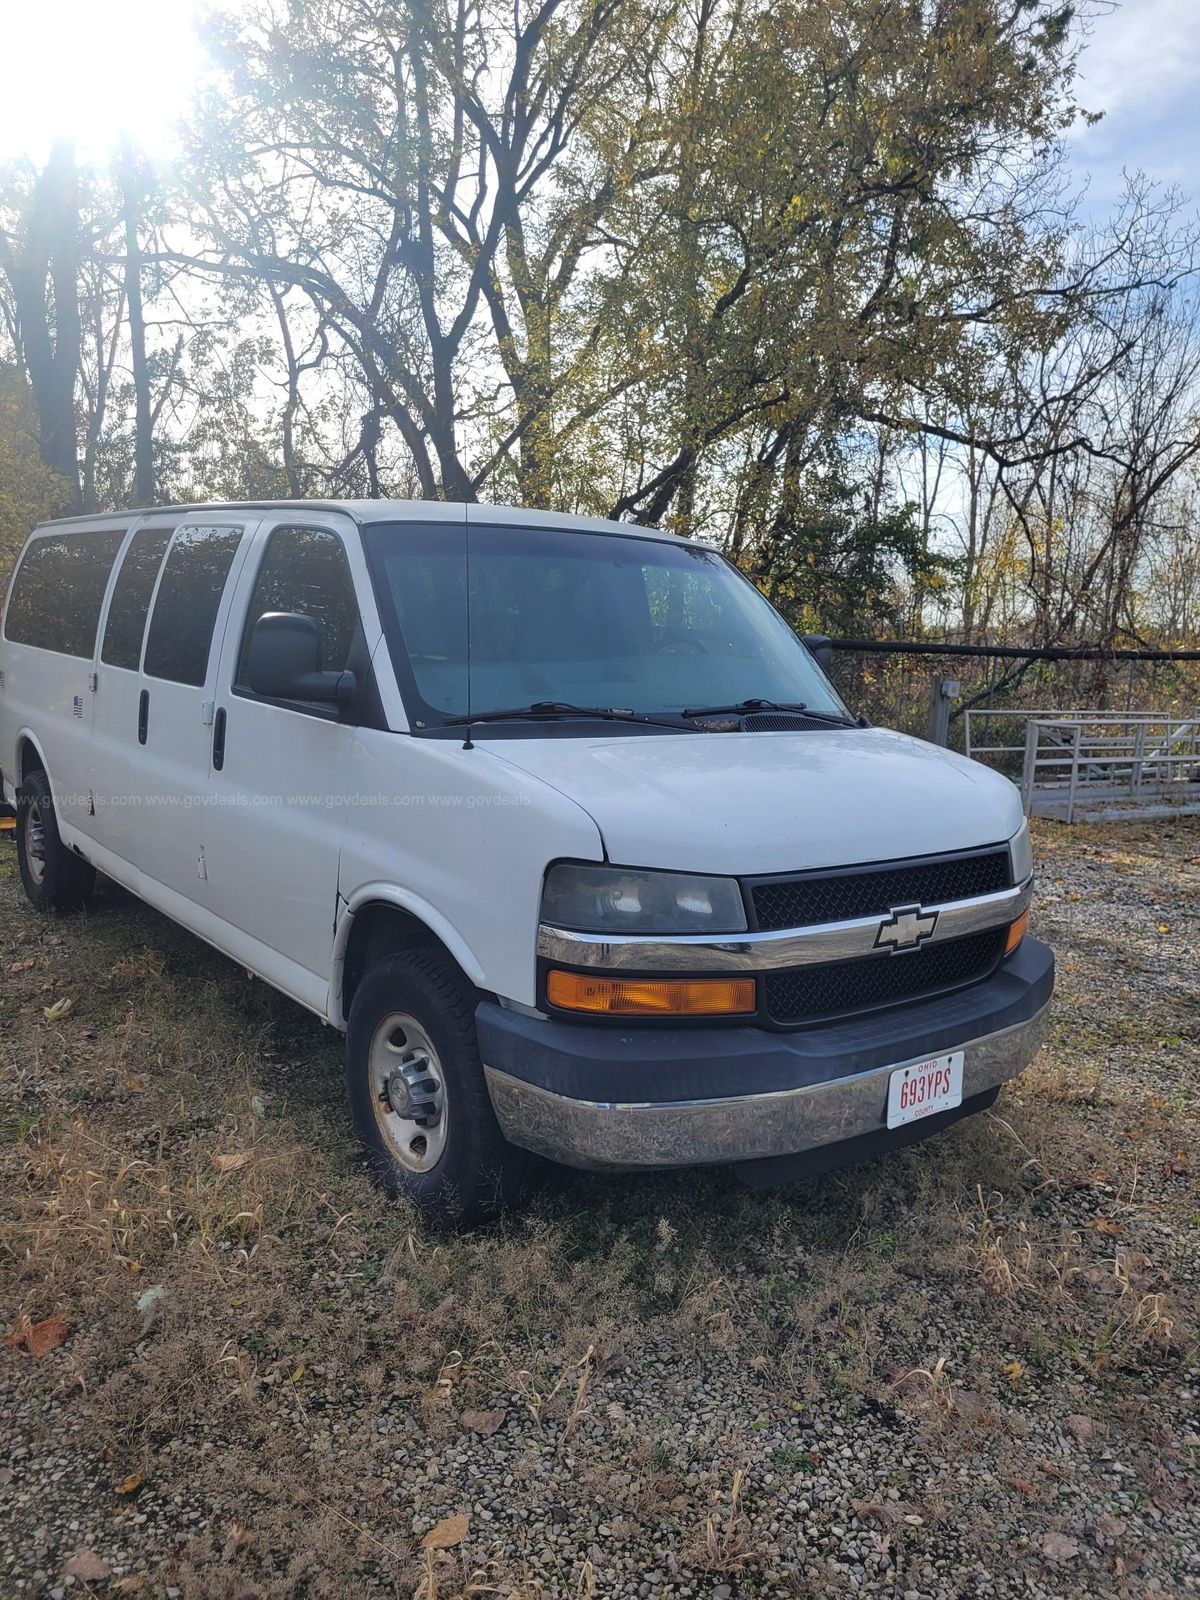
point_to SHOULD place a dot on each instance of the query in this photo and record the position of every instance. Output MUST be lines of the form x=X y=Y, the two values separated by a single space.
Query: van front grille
x=842 y=988
x=802 y=899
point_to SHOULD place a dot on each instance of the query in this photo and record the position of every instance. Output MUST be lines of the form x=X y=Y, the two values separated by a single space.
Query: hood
x=743 y=803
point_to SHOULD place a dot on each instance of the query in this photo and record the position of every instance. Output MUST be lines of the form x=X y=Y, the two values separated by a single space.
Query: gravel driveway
x=234 y=1370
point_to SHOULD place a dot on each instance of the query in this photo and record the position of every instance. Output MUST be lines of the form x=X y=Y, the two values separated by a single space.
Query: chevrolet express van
x=556 y=819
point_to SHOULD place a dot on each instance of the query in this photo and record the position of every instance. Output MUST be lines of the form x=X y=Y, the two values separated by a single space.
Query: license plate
x=924 y=1088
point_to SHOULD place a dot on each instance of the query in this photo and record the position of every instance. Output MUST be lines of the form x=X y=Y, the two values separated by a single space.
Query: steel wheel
x=408 y=1092
x=35 y=841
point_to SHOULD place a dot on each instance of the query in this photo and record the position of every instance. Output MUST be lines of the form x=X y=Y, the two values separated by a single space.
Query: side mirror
x=284 y=662
x=820 y=647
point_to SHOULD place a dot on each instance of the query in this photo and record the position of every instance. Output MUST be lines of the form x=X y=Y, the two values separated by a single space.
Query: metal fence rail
x=1092 y=764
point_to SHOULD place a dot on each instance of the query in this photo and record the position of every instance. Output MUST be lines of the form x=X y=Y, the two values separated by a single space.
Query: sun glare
x=97 y=71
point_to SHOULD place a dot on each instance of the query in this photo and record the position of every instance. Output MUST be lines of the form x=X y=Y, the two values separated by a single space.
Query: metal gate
x=1091 y=765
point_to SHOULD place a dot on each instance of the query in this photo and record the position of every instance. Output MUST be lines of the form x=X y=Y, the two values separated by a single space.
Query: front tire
x=418 y=1099
x=54 y=878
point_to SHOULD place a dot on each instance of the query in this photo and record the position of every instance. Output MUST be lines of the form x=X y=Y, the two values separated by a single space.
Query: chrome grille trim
x=766 y=952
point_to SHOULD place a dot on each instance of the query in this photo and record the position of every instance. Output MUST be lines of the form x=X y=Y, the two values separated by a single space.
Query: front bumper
x=619 y=1099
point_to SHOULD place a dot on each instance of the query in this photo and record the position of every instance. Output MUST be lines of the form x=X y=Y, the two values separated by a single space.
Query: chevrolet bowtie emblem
x=905 y=929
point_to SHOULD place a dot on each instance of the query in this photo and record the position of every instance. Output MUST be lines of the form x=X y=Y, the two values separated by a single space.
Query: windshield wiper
x=541 y=709
x=834 y=718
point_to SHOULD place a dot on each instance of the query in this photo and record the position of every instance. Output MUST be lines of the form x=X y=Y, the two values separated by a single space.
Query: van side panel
x=112 y=753
x=256 y=957
x=466 y=833
x=47 y=700
x=169 y=766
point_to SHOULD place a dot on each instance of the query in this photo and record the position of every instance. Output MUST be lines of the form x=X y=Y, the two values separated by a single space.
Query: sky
x=94 y=66
x=1142 y=69
x=98 y=70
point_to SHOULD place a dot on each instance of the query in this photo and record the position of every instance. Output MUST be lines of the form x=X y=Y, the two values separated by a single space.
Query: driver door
x=277 y=791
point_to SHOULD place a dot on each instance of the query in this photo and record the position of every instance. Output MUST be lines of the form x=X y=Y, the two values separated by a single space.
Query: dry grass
x=283 y=1358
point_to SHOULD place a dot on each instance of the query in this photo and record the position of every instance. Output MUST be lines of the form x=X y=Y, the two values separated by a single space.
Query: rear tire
x=54 y=878
x=418 y=1099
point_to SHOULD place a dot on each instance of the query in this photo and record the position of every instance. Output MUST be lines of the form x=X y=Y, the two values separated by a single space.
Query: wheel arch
x=30 y=757
x=381 y=920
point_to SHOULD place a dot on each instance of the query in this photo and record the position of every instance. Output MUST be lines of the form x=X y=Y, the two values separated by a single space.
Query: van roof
x=365 y=511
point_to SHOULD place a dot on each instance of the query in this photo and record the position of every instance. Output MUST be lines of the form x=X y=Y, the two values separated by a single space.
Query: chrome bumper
x=615 y=1137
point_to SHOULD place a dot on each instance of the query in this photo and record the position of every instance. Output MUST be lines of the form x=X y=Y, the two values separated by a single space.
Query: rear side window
x=59 y=589
x=130 y=601
x=305 y=570
x=189 y=596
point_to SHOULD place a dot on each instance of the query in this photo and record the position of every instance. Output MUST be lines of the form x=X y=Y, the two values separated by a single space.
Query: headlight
x=1021 y=851
x=624 y=900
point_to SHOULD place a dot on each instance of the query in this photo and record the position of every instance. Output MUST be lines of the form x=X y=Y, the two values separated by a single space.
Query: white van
x=556 y=819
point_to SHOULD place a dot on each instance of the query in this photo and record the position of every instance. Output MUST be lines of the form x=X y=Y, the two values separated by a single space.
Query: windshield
x=595 y=620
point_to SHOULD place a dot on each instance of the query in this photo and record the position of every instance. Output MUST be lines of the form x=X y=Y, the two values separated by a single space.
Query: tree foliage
x=738 y=267
x=30 y=492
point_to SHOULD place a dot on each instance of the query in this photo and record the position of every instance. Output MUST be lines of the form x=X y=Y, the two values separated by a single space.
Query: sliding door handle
x=219 y=740
x=143 y=715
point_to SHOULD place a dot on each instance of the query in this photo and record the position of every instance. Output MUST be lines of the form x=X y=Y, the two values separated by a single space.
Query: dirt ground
x=967 y=1370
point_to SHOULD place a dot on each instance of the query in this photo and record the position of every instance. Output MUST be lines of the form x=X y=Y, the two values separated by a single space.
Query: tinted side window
x=189 y=595
x=130 y=601
x=59 y=589
x=305 y=570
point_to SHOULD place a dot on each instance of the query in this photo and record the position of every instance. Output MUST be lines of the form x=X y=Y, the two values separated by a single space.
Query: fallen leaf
x=39 y=1338
x=613 y=1360
x=1107 y=1226
x=237 y=1538
x=888 y=1513
x=1014 y=1371
x=297 y=1374
x=1060 y=1547
x=230 y=1163
x=485 y=1422
x=1177 y=1166
x=59 y=1010
x=970 y=1405
x=131 y=1484
x=1108 y=1529
x=446 y=1533
x=21 y=966
x=1023 y=1484
x=88 y=1566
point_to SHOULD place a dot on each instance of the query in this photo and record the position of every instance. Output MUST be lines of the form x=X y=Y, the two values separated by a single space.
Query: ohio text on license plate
x=924 y=1088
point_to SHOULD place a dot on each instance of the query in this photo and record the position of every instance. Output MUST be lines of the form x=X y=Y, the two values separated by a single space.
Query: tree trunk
x=143 y=442
x=48 y=323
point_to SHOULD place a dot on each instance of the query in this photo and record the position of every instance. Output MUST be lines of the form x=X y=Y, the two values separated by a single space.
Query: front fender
x=404 y=900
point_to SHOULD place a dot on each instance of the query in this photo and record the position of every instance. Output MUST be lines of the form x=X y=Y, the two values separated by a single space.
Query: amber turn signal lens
x=1016 y=933
x=650 y=997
